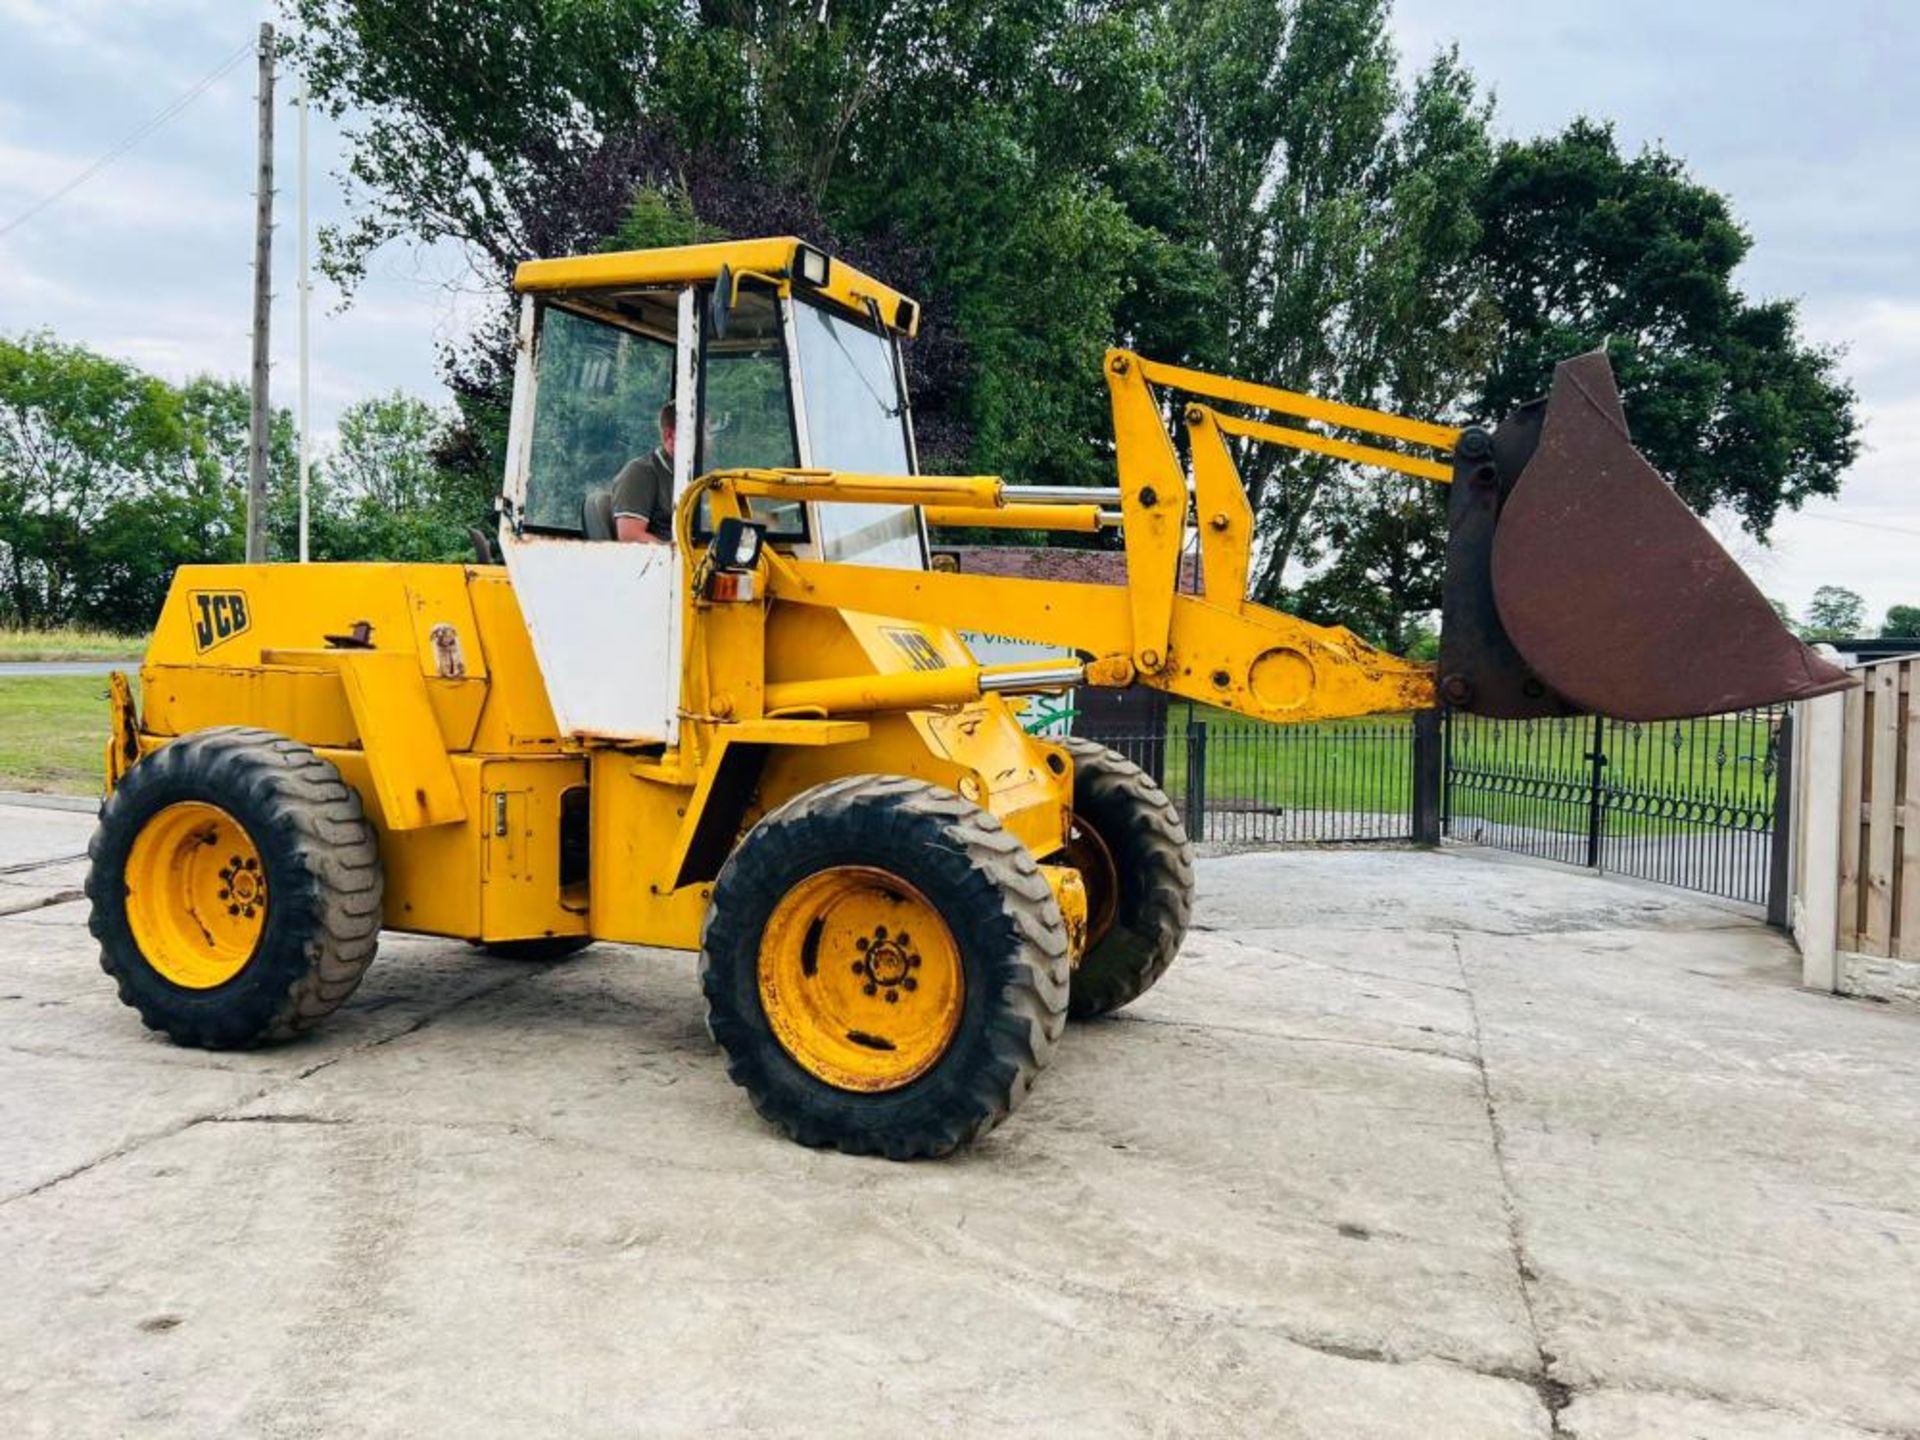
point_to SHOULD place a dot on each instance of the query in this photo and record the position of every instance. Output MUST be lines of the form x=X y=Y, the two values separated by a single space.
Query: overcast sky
x=1806 y=115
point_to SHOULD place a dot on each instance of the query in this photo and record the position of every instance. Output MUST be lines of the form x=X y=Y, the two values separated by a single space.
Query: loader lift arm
x=1216 y=647
x=1598 y=590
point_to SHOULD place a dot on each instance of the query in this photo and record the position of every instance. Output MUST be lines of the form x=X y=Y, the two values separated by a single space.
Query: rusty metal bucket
x=1577 y=580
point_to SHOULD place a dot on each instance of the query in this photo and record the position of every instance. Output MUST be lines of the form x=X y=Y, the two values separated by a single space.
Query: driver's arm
x=634 y=530
x=633 y=500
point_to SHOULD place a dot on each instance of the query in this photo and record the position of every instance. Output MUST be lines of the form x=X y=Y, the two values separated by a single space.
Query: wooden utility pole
x=262 y=314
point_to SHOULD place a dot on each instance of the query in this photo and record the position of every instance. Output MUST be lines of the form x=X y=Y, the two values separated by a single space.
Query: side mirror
x=720 y=304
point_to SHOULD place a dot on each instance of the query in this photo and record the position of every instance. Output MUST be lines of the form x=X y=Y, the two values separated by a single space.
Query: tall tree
x=1834 y=613
x=1902 y=622
x=1423 y=335
x=385 y=453
x=80 y=435
x=1584 y=246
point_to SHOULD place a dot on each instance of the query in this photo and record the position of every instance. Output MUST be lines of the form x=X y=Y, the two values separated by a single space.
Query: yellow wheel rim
x=196 y=894
x=1088 y=854
x=861 y=979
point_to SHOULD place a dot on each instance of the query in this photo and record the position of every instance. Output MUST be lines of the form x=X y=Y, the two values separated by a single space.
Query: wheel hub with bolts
x=887 y=963
x=860 y=978
x=244 y=887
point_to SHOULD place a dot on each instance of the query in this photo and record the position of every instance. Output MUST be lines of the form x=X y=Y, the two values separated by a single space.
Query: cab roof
x=778 y=257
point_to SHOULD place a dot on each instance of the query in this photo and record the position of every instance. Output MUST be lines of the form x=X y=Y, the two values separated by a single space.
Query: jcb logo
x=917 y=648
x=218 y=616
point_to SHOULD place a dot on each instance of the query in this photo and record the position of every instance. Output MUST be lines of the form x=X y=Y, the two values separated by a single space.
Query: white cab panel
x=605 y=622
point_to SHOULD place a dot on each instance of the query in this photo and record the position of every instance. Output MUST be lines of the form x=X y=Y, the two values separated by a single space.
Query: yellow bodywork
x=771 y=260
x=419 y=682
x=485 y=813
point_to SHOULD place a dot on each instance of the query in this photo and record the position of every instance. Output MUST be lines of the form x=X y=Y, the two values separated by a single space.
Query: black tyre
x=544 y=947
x=236 y=888
x=885 y=967
x=1132 y=851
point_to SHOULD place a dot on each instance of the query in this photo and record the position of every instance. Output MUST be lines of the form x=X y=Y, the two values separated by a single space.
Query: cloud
x=162 y=46
x=147 y=195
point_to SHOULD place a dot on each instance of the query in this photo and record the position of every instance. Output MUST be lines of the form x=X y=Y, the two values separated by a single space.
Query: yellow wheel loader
x=765 y=739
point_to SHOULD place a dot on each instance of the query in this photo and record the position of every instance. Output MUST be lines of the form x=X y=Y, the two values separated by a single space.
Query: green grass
x=1365 y=765
x=1348 y=765
x=68 y=643
x=53 y=733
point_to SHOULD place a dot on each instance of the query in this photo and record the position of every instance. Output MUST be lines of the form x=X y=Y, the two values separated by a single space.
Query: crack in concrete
x=1555 y=1394
x=1289 y=1037
x=43 y=902
x=226 y=1112
x=27 y=867
x=279 y=1118
x=1290 y=958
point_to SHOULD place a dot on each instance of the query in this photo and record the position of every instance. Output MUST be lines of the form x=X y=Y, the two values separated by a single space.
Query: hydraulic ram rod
x=1083 y=519
x=920 y=689
x=1062 y=494
x=971 y=491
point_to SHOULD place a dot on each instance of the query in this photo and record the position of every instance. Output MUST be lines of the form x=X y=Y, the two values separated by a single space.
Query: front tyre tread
x=1002 y=914
x=324 y=880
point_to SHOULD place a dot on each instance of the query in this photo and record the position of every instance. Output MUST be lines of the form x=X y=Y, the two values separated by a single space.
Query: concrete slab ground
x=1405 y=1145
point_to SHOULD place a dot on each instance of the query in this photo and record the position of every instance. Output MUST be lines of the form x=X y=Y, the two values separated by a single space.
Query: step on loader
x=757 y=733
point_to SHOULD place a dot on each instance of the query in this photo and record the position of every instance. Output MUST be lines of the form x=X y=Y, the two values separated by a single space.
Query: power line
x=132 y=139
x=1859 y=524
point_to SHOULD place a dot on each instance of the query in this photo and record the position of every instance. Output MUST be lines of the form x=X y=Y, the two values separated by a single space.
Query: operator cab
x=764 y=368
x=771 y=355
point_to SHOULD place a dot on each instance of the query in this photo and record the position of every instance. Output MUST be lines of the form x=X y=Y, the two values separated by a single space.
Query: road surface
x=1405 y=1145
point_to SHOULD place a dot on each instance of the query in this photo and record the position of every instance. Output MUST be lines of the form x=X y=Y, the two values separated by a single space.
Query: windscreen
x=597 y=402
x=856 y=422
x=747 y=403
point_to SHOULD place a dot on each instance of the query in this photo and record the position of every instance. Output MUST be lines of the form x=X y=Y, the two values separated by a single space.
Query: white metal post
x=1816 y=919
x=306 y=293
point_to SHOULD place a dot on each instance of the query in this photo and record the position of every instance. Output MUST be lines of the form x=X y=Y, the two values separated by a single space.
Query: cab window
x=600 y=383
x=746 y=399
x=856 y=422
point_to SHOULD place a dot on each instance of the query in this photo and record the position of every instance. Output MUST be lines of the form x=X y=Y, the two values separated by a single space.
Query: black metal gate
x=1242 y=783
x=1693 y=803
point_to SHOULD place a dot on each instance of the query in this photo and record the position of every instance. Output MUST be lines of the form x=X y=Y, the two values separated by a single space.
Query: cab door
x=591 y=375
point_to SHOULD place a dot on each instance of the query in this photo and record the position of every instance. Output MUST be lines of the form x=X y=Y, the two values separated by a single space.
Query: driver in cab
x=643 y=492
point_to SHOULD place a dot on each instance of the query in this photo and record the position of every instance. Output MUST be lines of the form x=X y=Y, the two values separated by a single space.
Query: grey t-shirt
x=643 y=490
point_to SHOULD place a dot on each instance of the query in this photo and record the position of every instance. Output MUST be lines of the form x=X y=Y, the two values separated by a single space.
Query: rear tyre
x=236 y=889
x=544 y=947
x=885 y=967
x=1132 y=851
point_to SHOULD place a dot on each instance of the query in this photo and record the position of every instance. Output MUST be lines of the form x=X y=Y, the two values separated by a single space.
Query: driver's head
x=666 y=428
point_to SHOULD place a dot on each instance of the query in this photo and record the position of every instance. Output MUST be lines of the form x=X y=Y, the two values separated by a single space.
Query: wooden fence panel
x=1880 y=809
x=1907 y=883
x=1853 y=767
x=1883 y=751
